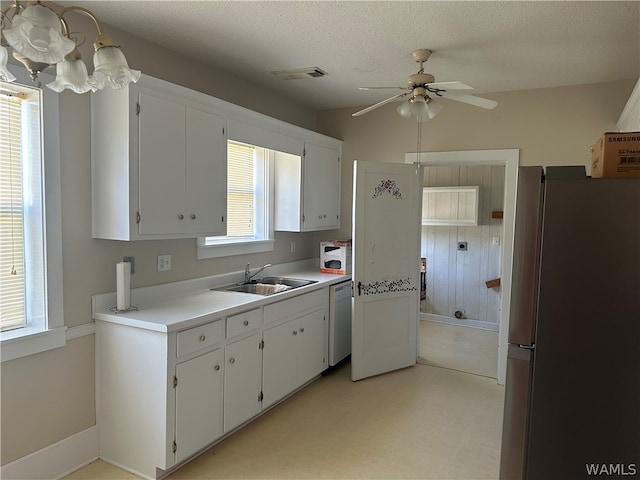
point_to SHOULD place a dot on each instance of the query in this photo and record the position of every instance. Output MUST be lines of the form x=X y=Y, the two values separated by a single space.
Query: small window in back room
x=248 y=197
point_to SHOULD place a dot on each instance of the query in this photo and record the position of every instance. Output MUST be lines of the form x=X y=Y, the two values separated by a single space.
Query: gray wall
x=551 y=126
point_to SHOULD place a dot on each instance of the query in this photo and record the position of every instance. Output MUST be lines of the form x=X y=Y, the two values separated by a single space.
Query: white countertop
x=171 y=307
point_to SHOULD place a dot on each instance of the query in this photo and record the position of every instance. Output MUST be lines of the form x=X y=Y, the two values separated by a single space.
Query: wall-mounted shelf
x=451 y=206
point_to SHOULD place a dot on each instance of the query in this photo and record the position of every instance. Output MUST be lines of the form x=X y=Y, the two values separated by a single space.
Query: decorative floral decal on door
x=387 y=186
x=386 y=286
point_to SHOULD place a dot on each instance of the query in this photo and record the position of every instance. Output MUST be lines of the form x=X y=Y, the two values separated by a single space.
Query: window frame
x=50 y=332
x=229 y=246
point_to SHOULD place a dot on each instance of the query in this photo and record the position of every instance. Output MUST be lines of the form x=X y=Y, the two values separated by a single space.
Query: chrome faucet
x=247 y=272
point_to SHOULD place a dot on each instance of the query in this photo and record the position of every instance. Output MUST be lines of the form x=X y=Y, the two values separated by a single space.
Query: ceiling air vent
x=300 y=73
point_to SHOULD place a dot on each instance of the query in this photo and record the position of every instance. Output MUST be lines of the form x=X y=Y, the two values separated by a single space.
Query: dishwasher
x=340 y=299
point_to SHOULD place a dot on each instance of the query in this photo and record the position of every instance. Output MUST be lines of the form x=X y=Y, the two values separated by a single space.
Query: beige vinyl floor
x=466 y=349
x=422 y=422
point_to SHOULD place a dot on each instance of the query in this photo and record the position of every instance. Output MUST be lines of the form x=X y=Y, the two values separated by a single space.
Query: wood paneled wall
x=456 y=279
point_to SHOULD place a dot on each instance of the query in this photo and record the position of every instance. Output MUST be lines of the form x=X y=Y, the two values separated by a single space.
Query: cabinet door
x=311 y=348
x=279 y=362
x=321 y=187
x=198 y=403
x=161 y=165
x=206 y=173
x=242 y=381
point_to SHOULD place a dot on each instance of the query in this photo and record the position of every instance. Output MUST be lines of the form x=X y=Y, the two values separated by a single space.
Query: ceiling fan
x=422 y=88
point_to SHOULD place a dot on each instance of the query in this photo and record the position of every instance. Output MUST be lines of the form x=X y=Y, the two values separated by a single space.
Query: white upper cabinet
x=182 y=168
x=158 y=166
x=307 y=189
x=450 y=206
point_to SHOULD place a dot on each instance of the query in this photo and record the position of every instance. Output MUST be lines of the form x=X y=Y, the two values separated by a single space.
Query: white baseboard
x=57 y=460
x=462 y=322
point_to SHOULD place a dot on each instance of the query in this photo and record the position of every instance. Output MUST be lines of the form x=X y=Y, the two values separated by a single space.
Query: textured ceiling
x=492 y=46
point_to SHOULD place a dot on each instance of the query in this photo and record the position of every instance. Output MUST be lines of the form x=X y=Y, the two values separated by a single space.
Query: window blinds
x=12 y=258
x=240 y=190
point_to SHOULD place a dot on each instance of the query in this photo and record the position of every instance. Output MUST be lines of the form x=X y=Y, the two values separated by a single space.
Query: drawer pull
x=295 y=332
x=217 y=367
x=180 y=217
x=193 y=216
x=202 y=338
x=302 y=330
x=232 y=360
x=245 y=323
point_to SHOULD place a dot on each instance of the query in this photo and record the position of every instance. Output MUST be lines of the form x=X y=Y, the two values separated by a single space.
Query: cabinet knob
x=202 y=338
x=217 y=367
x=180 y=217
x=302 y=330
x=295 y=332
x=232 y=360
x=245 y=323
x=193 y=216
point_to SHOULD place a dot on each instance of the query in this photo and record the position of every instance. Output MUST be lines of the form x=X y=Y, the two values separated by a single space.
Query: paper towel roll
x=123 y=285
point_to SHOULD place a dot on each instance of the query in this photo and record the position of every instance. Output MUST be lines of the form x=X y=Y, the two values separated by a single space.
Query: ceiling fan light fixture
x=404 y=110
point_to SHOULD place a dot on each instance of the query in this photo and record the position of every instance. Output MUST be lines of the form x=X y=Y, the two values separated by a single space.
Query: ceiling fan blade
x=379 y=104
x=382 y=88
x=470 y=99
x=450 y=85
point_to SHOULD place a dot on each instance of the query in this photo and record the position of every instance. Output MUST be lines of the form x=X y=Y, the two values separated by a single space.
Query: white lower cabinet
x=198 y=403
x=293 y=354
x=296 y=346
x=165 y=396
x=242 y=381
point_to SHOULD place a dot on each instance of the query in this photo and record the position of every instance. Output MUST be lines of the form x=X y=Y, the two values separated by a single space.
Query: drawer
x=295 y=306
x=243 y=322
x=199 y=337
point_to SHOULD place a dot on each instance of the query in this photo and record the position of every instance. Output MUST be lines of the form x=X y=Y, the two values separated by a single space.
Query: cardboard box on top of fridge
x=335 y=257
x=616 y=155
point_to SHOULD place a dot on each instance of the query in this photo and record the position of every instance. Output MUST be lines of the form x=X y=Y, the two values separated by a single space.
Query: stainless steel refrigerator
x=572 y=391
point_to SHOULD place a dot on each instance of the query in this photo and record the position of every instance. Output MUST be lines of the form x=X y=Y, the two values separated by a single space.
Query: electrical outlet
x=164 y=263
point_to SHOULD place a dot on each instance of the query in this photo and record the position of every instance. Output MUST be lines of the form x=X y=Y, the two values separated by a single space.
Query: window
x=30 y=247
x=248 y=204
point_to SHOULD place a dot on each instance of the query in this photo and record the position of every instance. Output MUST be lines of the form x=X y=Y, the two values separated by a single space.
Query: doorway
x=509 y=159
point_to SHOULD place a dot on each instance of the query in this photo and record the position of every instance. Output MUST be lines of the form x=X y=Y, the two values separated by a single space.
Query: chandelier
x=40 y=38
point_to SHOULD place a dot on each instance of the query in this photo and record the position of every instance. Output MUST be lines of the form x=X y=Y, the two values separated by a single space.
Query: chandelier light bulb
x=111 y=69
x=40 y=38
x=5 y=74
x=36 y=33
x=71 y=75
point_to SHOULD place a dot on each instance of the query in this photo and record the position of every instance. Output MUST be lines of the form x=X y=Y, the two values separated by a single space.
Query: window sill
x=229 y=249
x=30 y=340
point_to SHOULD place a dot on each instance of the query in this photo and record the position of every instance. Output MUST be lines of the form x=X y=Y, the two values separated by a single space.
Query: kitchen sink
x=289 y=282
x=268 y=285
